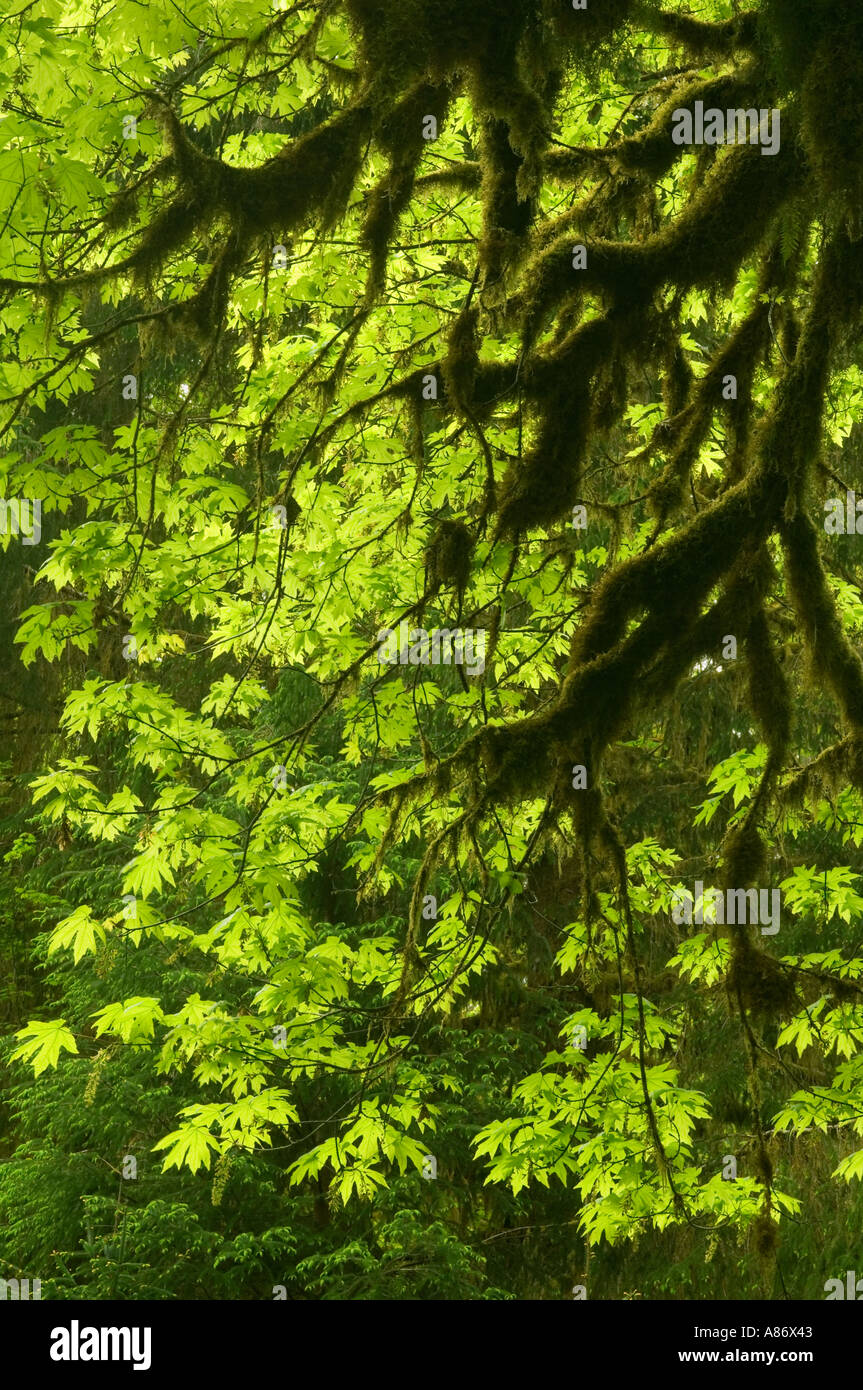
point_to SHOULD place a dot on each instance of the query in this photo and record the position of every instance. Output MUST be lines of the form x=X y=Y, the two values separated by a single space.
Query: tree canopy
x=440 y=643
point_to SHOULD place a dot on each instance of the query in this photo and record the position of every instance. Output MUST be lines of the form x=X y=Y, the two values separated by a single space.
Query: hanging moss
x=166 y=234
x=832 y=123
x=593 y=26
x=205 y=311
x=769 y=693
x=545 y=485
x=688 y=428
x=506 y=212
x=789 y=33
x=835 y=660
x=399 y=134
x=701 y=37
x=652 y=152
x=461 y=363
x=123 y=209
x=675 y=659
x=745 y=857
x=677 y=379
x=765 y=1234
x=402 y=40
x=835 y=767
x=763 y=986
x=448 y=555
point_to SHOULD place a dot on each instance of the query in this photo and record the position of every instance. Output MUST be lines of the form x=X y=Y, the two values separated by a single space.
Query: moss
x=690 y=423
x=122 y=210
x=765 y=1238
x=703 y=639
x=832 y=122
x=610 y=394
x=744 y=857
x=789 y=33
x=761 y=984
x=594 y=26
x=399 y=133
x=543 y=487
x=166 y=234
x=545 y=484
x=769 y=693
x=677 y=379
x=833 y=657
x=840 y=764
x=461 y=363
x=702 y=247
x=764 y=1167
x=679 y=574
x=700 y=37
x=669 y=583
x=652 y=152
x=205 y=311
x=313 y=175
x=571 y=165
x=402 y=40
x=790 y=331
x=506 y=211
x=448 y=555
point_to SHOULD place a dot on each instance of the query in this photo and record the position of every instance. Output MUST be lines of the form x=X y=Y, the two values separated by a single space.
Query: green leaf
x=45 y=1042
